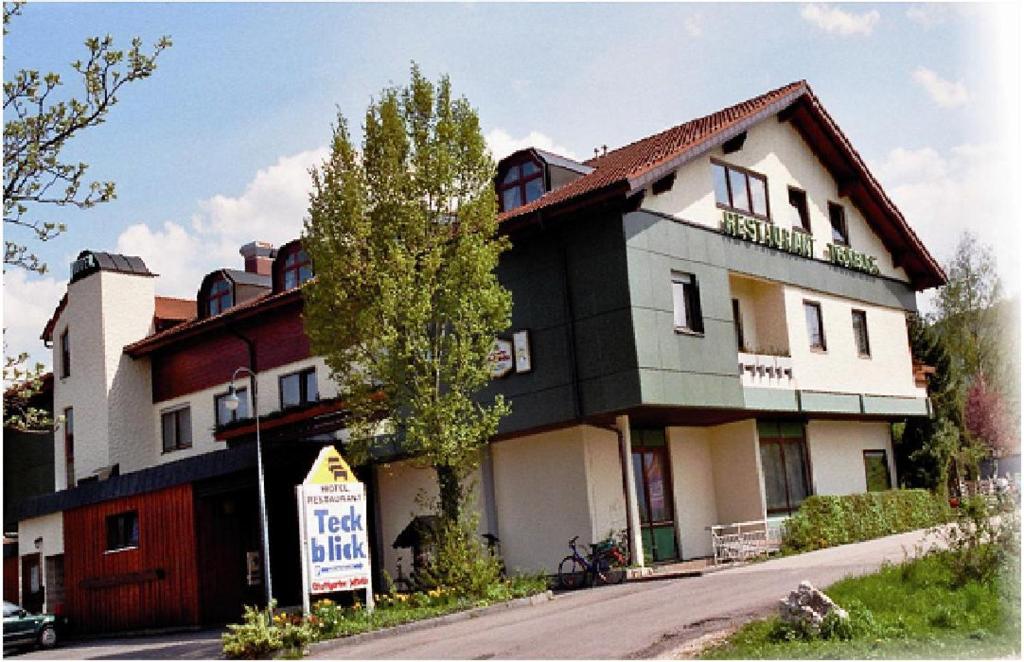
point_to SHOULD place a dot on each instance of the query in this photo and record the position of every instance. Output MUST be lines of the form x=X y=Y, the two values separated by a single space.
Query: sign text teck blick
x=333 y=530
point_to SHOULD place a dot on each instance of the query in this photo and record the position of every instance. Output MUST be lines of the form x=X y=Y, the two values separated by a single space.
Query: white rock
x=807 y=607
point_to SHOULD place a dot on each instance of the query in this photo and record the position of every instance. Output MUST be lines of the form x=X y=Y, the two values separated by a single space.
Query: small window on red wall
x=521 y=183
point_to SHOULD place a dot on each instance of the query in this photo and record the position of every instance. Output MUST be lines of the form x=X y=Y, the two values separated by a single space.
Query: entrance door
x=31 y=583
x=653 y=482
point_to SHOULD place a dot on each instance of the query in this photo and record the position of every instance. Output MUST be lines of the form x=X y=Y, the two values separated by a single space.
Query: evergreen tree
x=406 y=304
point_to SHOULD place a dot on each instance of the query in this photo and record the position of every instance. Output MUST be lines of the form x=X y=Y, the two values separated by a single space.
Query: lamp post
x=231 y=402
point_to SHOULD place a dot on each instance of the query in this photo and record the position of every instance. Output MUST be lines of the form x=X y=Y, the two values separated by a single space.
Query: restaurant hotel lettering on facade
x=708 y=325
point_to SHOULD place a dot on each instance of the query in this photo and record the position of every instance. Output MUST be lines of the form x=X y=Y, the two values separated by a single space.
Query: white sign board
x=333 y=529
x=521 y=342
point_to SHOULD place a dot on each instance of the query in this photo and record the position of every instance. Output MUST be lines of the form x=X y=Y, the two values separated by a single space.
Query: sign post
x=333 y=536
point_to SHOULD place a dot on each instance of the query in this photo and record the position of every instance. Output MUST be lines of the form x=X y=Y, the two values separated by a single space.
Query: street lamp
x=231 y=402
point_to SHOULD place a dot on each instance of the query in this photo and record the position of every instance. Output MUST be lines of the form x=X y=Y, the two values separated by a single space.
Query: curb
x=427 y=623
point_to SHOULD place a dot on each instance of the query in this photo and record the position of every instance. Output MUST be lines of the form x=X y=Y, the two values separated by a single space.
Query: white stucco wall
x=204 y=415
x=777 y=151
x=763 y=313
x=51 y=529
x=693 y=486
x=888 y=371
x=605 y=492
x=736 y=467
x=540 y=484
x=836 y=451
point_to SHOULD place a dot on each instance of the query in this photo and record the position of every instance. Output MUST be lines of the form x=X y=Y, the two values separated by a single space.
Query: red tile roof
x=170 y=308
x=623 y=171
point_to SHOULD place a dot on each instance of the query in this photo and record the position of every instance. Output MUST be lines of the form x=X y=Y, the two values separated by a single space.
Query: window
x=69 y=446
x=686 y=303
x=798 y=201
x=225 y=415
x=297 y=269
x=860 y=333
x=737 y=320
x=876 y=471
x=815 y=331
x=837 y=216
x=784 y=465
x=65 y=354
x=299 y=388
x=740 y=189
x=123 y=531
x=220 y=298
x=177 y=429
x=522 y=183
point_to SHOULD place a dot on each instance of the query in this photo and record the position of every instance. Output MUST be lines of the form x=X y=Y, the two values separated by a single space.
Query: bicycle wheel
x=610 y=570
x=572 y=573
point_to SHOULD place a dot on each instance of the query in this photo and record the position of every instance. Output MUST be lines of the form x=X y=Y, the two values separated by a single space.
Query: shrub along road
x=633 y=620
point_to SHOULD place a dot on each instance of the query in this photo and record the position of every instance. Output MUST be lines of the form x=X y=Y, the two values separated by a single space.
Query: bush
x=461 y=562
x=255 y=638
x=986 y=536
x=826 y=521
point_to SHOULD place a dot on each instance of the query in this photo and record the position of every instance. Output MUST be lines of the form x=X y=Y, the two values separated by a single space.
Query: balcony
x=766 y=371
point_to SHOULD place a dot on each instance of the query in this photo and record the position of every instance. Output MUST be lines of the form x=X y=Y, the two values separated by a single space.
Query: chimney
x=259 y=256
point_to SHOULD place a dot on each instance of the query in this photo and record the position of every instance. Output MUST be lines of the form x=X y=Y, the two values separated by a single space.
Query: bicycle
x=606 y=564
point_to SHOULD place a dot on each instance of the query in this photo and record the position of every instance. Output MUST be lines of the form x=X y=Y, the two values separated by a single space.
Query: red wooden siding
x=210 y=359
x=153 y=585
x=11 y=579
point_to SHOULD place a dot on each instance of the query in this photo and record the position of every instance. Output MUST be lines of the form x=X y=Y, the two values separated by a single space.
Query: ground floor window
x=652 y=480
x=122 y=531
x=787 y=476
x=876 y=471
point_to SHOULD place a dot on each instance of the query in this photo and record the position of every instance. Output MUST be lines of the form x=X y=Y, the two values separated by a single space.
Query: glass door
x=653 y=483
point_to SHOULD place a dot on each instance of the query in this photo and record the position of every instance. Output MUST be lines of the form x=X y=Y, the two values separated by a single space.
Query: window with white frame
x=686 y=313
x=176 y=429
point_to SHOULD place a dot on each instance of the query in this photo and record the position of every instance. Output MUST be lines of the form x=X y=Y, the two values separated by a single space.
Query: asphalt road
x=633 y=620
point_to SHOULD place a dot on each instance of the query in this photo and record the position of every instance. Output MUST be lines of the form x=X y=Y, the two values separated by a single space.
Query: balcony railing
x=766 y=371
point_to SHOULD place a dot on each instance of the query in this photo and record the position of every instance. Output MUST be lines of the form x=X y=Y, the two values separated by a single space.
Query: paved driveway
x=635 y=620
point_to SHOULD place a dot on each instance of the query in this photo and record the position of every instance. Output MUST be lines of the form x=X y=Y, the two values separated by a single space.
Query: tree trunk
x=450 y=489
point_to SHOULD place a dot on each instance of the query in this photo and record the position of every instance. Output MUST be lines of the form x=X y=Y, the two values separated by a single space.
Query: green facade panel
x=770 y=399
x=875 y=404
x=830 y=403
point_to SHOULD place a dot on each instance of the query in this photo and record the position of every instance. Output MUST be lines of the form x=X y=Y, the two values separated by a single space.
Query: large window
x=122 y=531
x=220 y=297
x=297 y=269
x=522 y=183
x=837 y=216
x=299 y=388
x=740 y=189
x=860 y=333
x=801 y=216
x=876 y=471
x=787 y=476
x=815 y=328
x=65 y=353
x=176 y=428
x=69 y=446
x=686 y=303
x=225 y=415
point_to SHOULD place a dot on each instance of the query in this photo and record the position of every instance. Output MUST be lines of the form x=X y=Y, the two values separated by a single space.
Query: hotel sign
x=333 y=529
x=794 y=241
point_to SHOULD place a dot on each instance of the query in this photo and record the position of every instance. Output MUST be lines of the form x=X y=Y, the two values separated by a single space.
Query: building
x=708 y=325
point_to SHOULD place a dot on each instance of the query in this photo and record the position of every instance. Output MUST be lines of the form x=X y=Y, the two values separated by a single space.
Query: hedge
x=826 y=521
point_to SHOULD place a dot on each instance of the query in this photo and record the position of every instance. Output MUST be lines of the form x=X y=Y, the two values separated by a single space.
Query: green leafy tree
x=406 y=303
x=39 y=123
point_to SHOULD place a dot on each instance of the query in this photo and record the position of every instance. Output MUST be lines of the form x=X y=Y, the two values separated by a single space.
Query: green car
x=22 y=628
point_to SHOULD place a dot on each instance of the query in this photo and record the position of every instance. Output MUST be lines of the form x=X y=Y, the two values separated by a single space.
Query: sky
x=213 y=150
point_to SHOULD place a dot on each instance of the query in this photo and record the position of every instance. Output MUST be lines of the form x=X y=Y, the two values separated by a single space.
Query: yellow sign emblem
x=329 y=468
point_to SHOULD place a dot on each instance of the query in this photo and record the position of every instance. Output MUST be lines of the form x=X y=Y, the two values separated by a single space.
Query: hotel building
x=709 y=324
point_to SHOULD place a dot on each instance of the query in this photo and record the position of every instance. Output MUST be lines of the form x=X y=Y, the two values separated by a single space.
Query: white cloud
x=502 y=144
x=271 y=208
x=835 y=20
x=29 y=302
x=943 y=92
x=943 y=194
x=694 y=25
x=928 y=16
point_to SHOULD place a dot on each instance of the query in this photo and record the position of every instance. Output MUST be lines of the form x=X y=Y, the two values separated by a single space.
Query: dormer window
x=297 y=269
x=522 y=183
x=220 y=297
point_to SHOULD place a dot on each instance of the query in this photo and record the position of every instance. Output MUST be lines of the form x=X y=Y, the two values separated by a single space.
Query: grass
x=912 y=610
